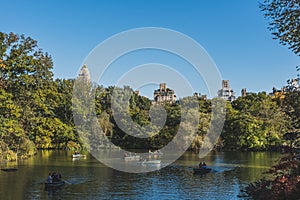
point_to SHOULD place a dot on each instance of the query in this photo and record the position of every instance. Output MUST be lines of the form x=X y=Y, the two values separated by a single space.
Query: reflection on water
x=89 y=179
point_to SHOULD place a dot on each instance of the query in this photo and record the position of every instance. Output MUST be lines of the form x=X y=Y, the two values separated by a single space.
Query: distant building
x=244 y=92
x=164 y=94
x=280 y=94
x=203 y=96
x=226 y=92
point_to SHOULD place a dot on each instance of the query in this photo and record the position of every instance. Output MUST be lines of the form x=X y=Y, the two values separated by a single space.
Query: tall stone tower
x=244 y=92
x=84 y=74
x=162 y=87
x=226 y=92
x=225 y=84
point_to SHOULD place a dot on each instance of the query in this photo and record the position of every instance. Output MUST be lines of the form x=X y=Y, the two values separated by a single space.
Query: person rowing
x=202 y=165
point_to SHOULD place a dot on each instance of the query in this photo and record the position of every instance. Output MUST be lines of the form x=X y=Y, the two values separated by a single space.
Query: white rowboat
x=130 y=158
x=150 y=162
x=78 y=156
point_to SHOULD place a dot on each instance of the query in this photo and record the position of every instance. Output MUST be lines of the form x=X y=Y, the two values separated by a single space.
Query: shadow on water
x=54 y=191
x=77 y=181
x=58 y=192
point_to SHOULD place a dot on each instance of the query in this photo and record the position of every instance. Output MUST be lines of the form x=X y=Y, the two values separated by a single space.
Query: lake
x=89 y=179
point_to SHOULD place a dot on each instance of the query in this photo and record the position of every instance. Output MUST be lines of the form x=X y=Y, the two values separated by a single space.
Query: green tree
x=32 y=102
x=13 y=138
x=255 y=122
x=283 y=16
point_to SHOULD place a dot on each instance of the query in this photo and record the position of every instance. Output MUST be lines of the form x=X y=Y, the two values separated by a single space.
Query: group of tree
x=130 y=121
x=285 y=180
x=255 y=122
x=35 y=109
x=284 y=23
x=37 y=112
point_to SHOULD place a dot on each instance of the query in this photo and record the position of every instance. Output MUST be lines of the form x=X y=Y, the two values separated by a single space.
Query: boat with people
x=155 y=153
x=202 y=170
x=78 y=155
x=131 y=157
x=54 y=184
x=54 y=180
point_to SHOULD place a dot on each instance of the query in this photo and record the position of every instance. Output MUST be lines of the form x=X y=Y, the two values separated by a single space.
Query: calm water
x=89 y=179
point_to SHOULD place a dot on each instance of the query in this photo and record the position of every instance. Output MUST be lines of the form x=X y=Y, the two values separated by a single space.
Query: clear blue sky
x=233 y=32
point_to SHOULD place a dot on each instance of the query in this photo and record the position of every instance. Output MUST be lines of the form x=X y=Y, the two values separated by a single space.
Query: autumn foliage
x=286 y=182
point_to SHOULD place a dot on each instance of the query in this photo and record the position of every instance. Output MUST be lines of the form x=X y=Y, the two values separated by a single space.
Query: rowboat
x=131 y=158
x=155 y=153
x=9 y=169
x=150 y=162
x=54 y=184
x=201 y=170
x=78 y=156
